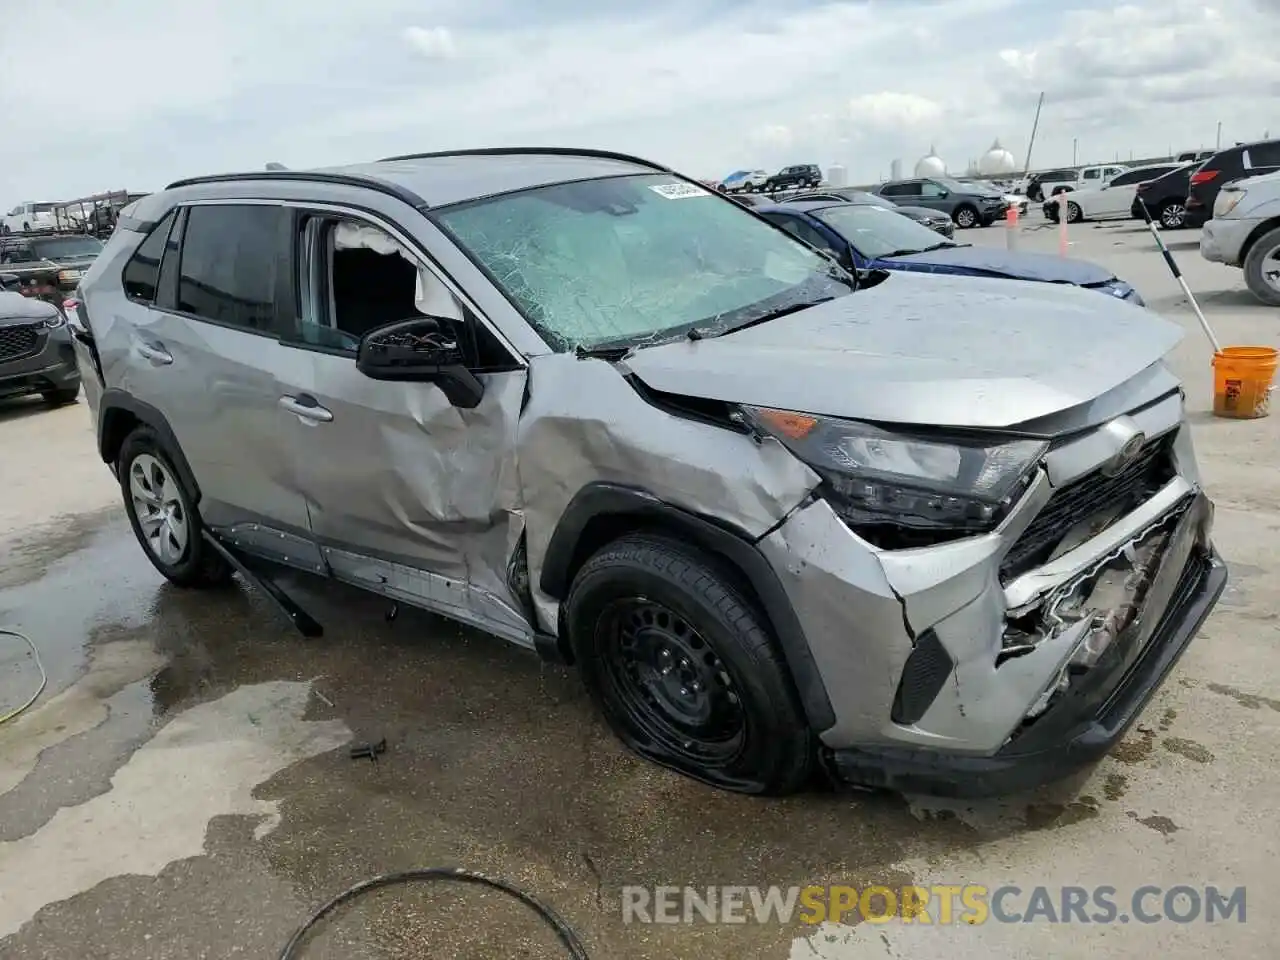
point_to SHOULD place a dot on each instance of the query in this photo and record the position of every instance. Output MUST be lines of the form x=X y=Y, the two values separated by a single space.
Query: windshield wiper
x=701 y=333
x=944 y=245
x=612 y=352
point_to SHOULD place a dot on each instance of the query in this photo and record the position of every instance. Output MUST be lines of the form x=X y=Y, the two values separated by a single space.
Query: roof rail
x=309 y=176
x=531 y=151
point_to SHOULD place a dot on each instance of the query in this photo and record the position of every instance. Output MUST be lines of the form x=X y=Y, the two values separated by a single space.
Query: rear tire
x=163 y=516
x=1173 y=215
x=1262 y=268
x=684 y=669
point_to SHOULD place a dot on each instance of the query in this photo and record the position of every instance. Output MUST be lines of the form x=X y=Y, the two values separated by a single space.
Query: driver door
x=407 y=494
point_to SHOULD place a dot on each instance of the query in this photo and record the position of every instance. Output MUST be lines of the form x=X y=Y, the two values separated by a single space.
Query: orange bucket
x=1242 y=382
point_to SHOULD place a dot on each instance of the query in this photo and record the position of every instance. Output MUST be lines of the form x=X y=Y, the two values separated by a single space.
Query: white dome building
x=931 y=165
x=997 y=162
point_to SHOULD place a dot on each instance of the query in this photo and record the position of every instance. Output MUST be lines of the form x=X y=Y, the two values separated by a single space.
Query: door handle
x=157 y=355
x=305 y=406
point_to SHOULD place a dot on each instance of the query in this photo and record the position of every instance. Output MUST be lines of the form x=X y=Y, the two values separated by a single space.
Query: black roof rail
x=309 y=176
x=532 y=151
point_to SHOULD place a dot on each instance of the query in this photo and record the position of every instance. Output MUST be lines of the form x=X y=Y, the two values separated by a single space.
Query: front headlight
x=55 y=321
x=876 y=478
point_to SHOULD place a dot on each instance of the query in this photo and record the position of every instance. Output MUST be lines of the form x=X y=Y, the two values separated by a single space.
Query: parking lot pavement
x=183 y=788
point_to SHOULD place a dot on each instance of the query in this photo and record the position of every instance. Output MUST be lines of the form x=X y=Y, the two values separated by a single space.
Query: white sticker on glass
x=679 y=191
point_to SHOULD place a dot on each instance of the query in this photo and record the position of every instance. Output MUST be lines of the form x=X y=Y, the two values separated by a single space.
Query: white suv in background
x=1110 y=201
x=1245 y=232
x=1087 y=178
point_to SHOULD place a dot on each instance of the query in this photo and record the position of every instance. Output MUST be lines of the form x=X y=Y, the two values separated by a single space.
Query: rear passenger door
x=205 y=349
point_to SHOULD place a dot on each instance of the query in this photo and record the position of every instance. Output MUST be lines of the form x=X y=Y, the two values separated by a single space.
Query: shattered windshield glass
x=636 y=259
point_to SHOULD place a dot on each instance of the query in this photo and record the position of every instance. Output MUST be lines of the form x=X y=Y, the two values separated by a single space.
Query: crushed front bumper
x=976 y=667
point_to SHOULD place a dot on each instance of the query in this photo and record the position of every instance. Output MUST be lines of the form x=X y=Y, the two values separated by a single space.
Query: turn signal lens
x=796 y=426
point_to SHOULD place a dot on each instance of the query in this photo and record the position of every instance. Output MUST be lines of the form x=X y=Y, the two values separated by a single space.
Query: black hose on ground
x=564 y=933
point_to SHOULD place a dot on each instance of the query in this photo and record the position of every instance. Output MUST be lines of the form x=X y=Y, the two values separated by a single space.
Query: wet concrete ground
x=182 y=789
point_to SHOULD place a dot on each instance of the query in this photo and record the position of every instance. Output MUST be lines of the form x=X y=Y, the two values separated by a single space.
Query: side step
x=302 y=621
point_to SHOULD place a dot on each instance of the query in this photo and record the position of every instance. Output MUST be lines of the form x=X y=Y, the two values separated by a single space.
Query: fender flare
x=622 y=503
x=116 y=403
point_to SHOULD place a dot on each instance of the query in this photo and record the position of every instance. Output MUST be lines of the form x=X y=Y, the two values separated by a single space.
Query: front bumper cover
x=1094 y=713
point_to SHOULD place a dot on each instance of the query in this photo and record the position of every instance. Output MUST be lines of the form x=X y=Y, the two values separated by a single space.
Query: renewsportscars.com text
x=970 y=904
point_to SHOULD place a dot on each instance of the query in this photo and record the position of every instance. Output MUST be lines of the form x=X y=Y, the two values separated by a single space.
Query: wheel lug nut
x=684 y=663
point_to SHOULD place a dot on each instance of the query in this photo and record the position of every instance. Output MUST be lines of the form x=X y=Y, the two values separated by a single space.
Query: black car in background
x=798 y=175
x=1234 y=163
x=1165 y=198
x=935 y=221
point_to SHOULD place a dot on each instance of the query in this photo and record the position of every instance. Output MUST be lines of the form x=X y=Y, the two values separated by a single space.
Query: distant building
x=997 y=162
x=837 y=175
x=931 y=165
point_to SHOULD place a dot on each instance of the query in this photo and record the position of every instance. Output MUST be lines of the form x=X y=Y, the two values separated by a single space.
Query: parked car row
x=797 y=176
x=732 y=467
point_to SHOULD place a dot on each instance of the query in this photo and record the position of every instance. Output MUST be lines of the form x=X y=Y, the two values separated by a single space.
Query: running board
x=302 y=621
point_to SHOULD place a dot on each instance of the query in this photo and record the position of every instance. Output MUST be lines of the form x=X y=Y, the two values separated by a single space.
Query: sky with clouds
x=135 y=93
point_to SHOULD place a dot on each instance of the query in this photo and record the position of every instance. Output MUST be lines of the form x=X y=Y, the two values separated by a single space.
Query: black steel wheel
x=684 y=668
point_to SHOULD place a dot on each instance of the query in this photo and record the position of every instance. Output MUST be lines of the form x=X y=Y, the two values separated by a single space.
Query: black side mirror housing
x=421 y=350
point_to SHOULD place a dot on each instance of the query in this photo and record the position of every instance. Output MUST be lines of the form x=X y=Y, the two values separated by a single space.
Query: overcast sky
x=113 y=94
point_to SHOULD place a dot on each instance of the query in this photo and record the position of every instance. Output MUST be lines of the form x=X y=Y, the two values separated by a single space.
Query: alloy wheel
x=669 y=683
x=965 y=218
x=1173 y=215
x=158 y=505
x=1271 y=268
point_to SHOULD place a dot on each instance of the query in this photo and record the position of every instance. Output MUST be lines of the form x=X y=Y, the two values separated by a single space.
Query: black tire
x=1074 y=213
x=199 y=564
x=1172 y=215
x=965 y=216
x=684 y=669
x=1263 y=250
x=61 y=398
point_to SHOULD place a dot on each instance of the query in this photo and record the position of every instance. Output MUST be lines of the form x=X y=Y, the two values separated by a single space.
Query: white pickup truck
x=1087 y=178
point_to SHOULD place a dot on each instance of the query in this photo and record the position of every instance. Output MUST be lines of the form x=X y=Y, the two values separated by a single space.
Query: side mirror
x=9 y=280
x=422 y=350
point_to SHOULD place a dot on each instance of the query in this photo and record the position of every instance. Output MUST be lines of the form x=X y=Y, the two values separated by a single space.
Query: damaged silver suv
x=929 y=533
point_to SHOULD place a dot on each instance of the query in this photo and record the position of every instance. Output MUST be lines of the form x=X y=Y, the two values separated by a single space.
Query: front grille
x=19 y=340
x=1087 y=497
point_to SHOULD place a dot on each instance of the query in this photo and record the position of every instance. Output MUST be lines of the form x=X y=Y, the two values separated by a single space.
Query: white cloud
x=436 y=42
x=888 y=109
x=708 y=87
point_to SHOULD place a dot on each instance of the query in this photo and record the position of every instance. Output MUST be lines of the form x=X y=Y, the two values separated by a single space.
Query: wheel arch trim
x=117 y=404
x=618 y=503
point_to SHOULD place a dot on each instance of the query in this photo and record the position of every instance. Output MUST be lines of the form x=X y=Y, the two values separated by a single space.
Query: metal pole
x=1177 y=274
x=1218 y=143
x=1075 y=152
x=1026 y=169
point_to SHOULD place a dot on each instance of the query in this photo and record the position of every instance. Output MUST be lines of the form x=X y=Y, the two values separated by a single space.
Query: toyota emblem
x=1126 y=454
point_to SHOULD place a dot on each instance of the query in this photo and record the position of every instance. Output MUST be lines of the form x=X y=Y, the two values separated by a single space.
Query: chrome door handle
x=157 y=355
x=306 y=407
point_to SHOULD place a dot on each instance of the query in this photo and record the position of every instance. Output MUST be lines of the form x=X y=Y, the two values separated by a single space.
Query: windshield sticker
x=679 y=191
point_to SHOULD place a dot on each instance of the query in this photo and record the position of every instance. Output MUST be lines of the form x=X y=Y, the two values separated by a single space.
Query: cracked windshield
x=714 y=480
x=632 y=259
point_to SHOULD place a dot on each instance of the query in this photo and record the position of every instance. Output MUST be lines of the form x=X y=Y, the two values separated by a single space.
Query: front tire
x=163 y=516
x=1262 y=268
x=684 y=669
x=1173 y=215
x=61 y=398
x=965 y=217
x=1074 y=213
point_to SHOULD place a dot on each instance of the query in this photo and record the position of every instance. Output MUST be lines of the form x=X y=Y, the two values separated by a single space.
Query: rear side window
x=1230 y=161
x=230 y=257
x=142 y=272
x=1265 y=154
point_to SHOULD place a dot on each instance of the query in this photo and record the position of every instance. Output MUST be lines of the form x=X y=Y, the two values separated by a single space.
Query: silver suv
x=932 y=533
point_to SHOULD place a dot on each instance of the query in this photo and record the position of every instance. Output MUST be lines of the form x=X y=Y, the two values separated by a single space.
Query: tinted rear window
x=228 y=268
x=142 y=272
x=1265 y=154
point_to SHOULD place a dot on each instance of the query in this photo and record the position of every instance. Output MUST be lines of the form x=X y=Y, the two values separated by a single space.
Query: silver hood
x=16 y=308
x=924 y=349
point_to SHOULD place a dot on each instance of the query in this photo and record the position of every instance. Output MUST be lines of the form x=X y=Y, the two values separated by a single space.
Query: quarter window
x=230 y=254
x=1264 y=155
x=142 y=272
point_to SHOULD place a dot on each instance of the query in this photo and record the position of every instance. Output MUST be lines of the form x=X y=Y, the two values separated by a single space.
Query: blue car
x=863 y=236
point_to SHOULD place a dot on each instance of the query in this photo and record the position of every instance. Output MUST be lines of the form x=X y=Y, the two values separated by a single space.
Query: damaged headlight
x=876 y=477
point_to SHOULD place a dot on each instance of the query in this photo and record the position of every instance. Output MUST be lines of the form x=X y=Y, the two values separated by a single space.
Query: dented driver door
x=407 y=495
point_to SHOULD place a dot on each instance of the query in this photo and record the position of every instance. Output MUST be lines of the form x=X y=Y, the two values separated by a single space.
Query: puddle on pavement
x=494 y=761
